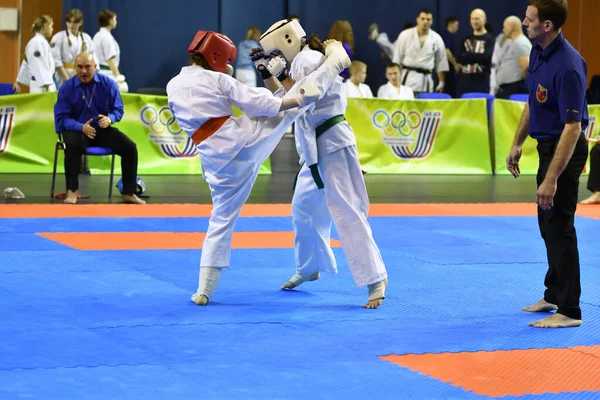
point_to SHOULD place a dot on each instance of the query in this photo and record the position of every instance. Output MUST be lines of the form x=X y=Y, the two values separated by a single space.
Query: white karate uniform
x=389 y=91
x=351 y=90
x=386 y=45
x=24 y=76
x=40 y=64
x=105 y=48
x=344 y=198
x=64 y=54
x=232 y=156
x=500 y=48
x=430 y=56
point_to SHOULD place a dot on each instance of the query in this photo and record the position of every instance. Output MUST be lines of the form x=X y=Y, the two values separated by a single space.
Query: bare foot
x=376 y=294
x=556 y=321
x=71 y=197
x=299 y=279
x=132 y=199
x=200 y=299
x=593 y=199
x=541 y=306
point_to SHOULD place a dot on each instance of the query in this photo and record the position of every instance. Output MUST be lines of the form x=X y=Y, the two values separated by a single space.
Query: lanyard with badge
x=88 y=103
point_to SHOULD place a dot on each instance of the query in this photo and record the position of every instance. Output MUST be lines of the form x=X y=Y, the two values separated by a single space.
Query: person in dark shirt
x=87 y=107
x=475 y=57
x=556 y=115
x=447 y=34
x=593 y=184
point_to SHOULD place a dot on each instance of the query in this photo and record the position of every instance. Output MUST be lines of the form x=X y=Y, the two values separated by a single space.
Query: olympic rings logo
x=160 y=121
x=398 y=122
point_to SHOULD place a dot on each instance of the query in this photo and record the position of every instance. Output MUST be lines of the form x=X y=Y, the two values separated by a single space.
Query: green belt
x=321 y=129
x=104 y=67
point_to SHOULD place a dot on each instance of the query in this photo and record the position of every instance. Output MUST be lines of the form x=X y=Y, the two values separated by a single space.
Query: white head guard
x=285 y=36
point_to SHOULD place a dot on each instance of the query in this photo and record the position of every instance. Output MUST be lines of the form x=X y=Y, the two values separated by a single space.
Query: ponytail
x=39 y=23
x=315 y=43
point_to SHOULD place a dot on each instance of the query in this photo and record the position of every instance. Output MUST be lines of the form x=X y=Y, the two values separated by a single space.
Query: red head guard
x=217 y=49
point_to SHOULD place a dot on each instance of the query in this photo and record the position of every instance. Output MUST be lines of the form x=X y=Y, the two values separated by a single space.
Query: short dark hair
x=424 y=11
x=555 y=11
x=450 y=20
x=105 y=16
x=393 y=65
x=199 y=59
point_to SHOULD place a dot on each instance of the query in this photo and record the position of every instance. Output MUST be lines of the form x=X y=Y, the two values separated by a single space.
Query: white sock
x=209 y=279
x=377 y=290
x=299 y=279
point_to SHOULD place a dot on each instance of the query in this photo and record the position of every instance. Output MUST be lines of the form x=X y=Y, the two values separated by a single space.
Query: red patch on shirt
x=541 y=94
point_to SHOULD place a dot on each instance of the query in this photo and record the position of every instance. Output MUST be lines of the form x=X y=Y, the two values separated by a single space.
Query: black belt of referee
x=321 y=129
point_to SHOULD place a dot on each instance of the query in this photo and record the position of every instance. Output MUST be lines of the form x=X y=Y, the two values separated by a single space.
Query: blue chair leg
x=112 y=172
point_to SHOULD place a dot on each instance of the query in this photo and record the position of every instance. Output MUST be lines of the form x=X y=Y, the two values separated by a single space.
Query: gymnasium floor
x=94 y=298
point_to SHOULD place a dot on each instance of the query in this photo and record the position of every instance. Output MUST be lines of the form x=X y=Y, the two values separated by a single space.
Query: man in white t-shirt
x=512 y=69
x=355 y=86
x=393 y=89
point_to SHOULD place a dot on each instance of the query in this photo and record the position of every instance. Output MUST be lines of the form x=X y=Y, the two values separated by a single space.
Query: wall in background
x=154 y=34
x=9 y=43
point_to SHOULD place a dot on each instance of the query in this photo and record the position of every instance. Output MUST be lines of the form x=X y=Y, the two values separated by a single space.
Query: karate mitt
x=278 y=67
x=261 y=61
x=307 y=94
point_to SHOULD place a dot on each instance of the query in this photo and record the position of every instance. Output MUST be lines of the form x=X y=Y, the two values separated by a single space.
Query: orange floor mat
x=511 y=372
x=169 y=240
x=273 y=210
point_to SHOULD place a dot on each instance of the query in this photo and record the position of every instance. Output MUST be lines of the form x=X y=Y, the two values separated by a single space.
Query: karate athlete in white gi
x=330 y=185
x=107 y=50
x=67 y=44
x=38 y=66
x=232 y=149
x=420 y=51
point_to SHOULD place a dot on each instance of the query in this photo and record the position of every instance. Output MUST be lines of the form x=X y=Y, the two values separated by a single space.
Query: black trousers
x=506 y=90
x=593 y=183
x=466 y=83
x=557 y=227
x=111 y=138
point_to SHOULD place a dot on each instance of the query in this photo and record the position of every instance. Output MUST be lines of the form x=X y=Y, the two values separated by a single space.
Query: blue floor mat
x=119 y=324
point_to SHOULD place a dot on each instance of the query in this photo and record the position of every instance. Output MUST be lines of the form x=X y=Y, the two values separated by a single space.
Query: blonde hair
x=40 y=22
x=253 y=33
x=75 y=15
x=341 y=31
x=357 y=66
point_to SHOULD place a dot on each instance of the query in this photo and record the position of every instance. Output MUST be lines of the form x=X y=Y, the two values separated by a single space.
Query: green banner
x=27 y=137
x=507 y=115
x=421 y=136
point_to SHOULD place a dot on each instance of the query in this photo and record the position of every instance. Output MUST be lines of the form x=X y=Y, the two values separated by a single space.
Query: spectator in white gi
x=420 y=51
x=355 y=86
x=67 y=44
x=106 y=49
x=393 y=90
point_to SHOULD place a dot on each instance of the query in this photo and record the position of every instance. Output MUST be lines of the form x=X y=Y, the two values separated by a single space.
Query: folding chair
x=90 y=151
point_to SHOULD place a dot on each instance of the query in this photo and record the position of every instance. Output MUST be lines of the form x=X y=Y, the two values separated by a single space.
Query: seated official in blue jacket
x=87 y=107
